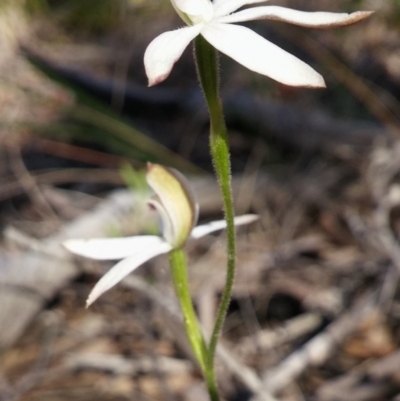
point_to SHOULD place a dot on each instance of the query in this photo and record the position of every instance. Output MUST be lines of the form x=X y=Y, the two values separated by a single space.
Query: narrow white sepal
x=111 y=248
x=225 y=7
x=194 y=7
x=126 y=266
x=296 y=17
x=259 y=55
x=204 y=229
x=162 y=53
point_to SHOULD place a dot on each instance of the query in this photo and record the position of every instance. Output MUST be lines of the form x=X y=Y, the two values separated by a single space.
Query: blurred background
x=316 y=307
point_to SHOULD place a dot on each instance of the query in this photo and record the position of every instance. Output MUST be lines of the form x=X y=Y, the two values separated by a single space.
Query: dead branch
x=318 y=349
x=119 y=365
x=268 y=339
x=370 y=382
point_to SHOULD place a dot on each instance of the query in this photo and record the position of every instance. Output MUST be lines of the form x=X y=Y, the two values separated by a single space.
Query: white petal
x=302 y=18
x=201 y=231
x=126 y=266
x=111 y=248
x=165 y=50
x=259 y=55
x=194 y=7
x=225 y=7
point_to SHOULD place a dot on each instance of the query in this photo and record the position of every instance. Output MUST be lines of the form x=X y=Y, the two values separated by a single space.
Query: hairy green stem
x=207 y=67
x=178 y=267
x=179 y=275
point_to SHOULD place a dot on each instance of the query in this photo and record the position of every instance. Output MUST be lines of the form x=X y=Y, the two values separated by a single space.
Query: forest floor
x=315 y=313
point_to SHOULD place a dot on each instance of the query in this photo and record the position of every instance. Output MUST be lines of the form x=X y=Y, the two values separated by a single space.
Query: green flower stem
x=207 y=67
x=179 y=275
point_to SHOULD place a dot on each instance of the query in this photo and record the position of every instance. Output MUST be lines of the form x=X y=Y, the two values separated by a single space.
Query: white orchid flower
x=213 y=20
x=178 y=211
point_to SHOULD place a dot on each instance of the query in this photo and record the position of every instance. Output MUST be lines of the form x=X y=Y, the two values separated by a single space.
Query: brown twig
x=382 y=378
x=316 y=351
x=269 y=339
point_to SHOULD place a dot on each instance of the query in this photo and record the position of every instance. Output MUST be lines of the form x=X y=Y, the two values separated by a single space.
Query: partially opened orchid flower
x=178 y=211
x=213 y=20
